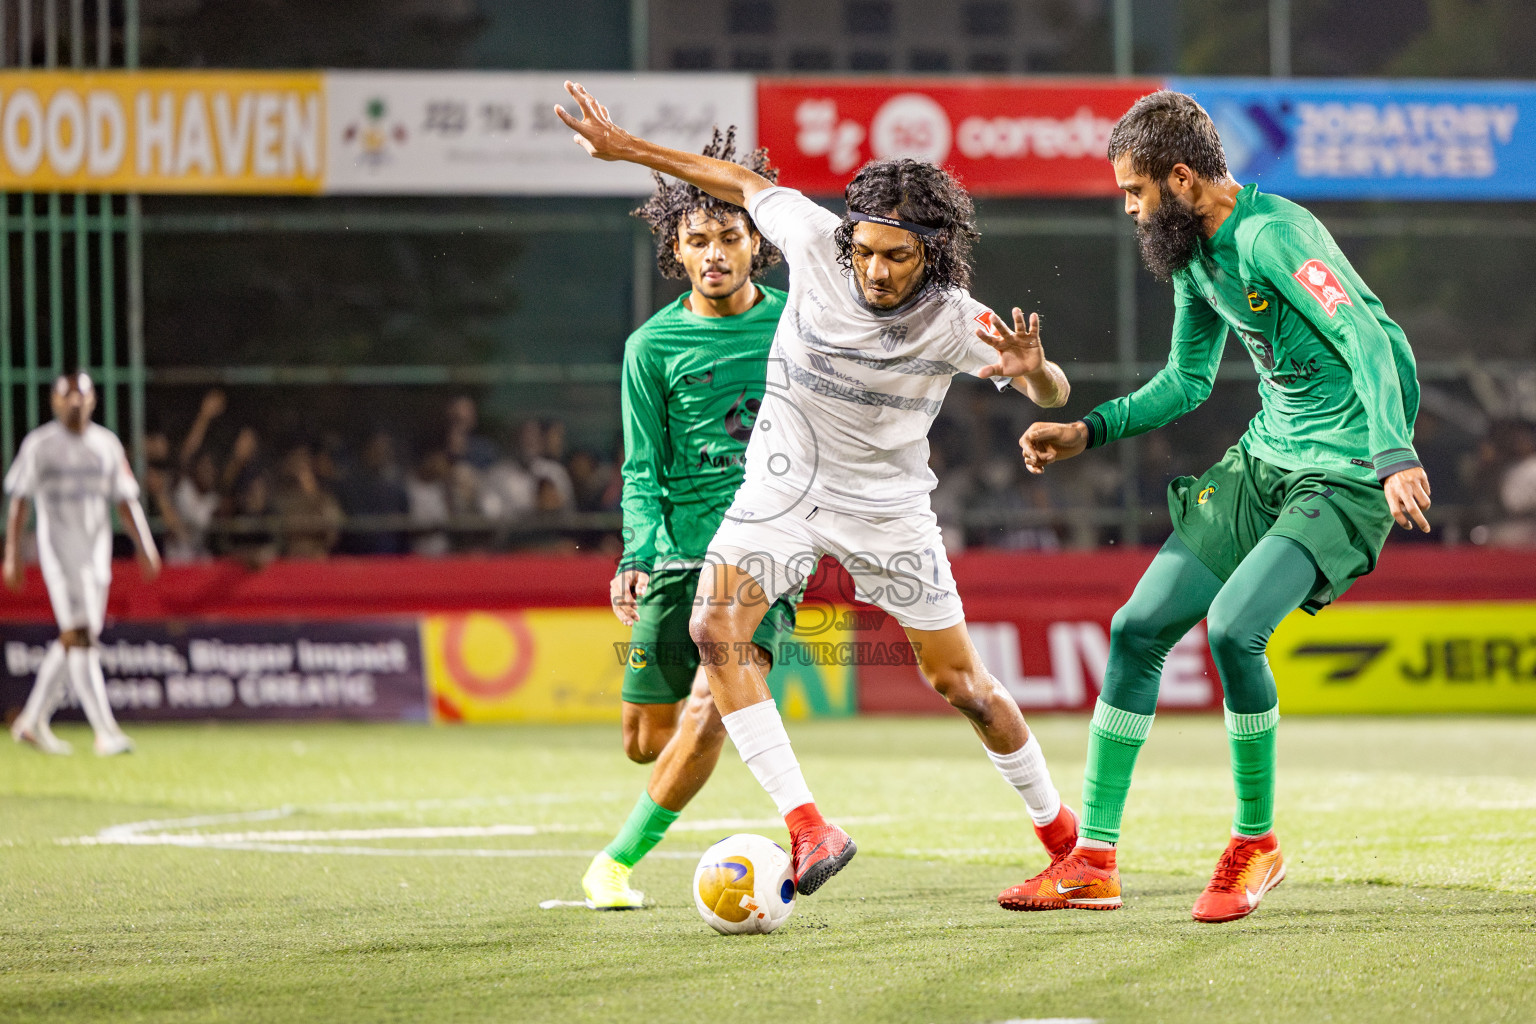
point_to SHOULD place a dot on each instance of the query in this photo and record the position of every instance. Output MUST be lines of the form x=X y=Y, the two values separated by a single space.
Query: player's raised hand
x=1019 y=352
x=1045 y=443
x=595 y=132
x=625 y=591
x=1408 y=497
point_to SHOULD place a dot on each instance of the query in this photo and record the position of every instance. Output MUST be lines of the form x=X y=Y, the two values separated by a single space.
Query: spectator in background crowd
x=1001 y=490
x=310 y=515
x=248 y=538
x=613 y=490
x=196 y=497
x=242 y=462
x=468 y=499
x=552 y=515
x=533 y=453
x=1517 y=490
x=508 y=490
x=196 y=501
x=427 y=504
x=590 y=480
x=374 y=488
x=332 y=461
x=459 y=438
x=171 y=533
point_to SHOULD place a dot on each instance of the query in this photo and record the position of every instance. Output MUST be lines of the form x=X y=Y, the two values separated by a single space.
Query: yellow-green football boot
x=606 y=884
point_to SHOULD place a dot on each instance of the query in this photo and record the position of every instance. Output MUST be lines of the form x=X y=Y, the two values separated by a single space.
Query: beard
x=1170 y=237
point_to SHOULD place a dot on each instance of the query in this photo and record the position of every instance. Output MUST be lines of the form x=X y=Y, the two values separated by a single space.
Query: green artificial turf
x=1411 y=892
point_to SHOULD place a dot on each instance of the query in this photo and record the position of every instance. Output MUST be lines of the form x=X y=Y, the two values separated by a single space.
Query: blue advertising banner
x=1325 y=139
x=248 y=670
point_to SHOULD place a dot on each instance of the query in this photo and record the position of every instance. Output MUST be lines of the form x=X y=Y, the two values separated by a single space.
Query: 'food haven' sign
x=171 y=132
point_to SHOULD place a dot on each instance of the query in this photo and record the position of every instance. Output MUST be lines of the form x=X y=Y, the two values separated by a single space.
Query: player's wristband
x=1394 y=460
x=1097 y=434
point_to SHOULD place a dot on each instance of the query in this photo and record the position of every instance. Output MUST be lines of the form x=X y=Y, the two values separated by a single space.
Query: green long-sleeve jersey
x=1337 y=381
x=692 y=386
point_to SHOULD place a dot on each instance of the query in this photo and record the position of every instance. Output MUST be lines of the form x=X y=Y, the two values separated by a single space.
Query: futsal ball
x=744 y=885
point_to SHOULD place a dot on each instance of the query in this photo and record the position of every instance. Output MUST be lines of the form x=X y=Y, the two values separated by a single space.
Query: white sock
x=44 y=696
x=1084 y=843
x=1026 y=771
x=759 y=736
x=91 y=688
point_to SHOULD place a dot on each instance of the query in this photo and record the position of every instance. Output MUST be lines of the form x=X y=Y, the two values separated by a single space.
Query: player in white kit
x=877 y=323
x=73 y=471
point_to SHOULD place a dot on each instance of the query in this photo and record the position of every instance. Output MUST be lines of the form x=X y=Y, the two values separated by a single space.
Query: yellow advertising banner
x=567 y=665
x=216 y=131
x=1408 y=658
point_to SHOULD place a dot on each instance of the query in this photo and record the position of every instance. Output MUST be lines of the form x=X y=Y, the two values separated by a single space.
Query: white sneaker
x=117 y=743
x=41 y=737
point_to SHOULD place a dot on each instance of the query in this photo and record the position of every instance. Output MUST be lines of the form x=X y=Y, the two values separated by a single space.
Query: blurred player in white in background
x=73 y=470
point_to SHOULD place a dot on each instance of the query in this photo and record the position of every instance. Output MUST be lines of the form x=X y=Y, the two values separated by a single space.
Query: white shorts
x=78 y=595
x=897 y=563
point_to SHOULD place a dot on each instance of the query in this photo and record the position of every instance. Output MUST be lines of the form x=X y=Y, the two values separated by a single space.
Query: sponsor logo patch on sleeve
x=985 y=318
x=1316 y=278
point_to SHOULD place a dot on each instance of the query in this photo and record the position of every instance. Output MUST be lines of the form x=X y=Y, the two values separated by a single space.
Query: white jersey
x=72 y=480
x=852 y=390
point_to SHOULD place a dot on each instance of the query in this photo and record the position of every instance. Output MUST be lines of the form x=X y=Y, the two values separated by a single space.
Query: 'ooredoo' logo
x=1084 y=134
x=911 y=125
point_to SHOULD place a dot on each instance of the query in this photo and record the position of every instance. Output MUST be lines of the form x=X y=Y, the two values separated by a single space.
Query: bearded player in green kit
x=693 y=381
x=1297 y=510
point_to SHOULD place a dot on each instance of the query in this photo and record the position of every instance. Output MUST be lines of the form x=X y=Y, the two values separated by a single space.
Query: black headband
x=892 y=222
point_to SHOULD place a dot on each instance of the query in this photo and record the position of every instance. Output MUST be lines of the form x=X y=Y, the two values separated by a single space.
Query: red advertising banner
x=1048 y=659
x=1001 y=137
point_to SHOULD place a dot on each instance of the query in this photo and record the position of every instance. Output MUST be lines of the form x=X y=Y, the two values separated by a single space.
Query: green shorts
x=663 y=659
x=1224 y=512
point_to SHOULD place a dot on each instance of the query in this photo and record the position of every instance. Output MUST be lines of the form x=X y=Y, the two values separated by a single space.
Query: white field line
x=175 y=832
x=391 y=851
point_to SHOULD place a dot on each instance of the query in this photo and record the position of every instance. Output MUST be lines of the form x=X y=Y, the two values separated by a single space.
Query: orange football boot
x=1075 y=882
x=1059 y=837
x=1250 y=867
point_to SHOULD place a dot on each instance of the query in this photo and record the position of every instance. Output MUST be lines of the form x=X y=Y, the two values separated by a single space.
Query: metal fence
x=71 y=266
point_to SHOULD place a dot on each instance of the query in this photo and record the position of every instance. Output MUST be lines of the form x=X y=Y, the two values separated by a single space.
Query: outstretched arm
x=1021 y=356
x=598 y=135
x=212 y=408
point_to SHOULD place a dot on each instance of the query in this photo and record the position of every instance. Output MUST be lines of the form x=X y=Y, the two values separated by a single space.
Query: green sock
x=1114 y=739
x=1253 y=769
x=647 y=823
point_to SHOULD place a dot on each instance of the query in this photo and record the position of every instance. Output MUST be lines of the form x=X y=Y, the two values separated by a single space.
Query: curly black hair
x=674 y=200
x=924 y=194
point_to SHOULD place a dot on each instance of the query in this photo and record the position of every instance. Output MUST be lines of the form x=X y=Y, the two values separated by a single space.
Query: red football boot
x=820 y=852
x=1250 y=867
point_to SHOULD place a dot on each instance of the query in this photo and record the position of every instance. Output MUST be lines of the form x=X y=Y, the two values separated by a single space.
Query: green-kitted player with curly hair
x=693 y=382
